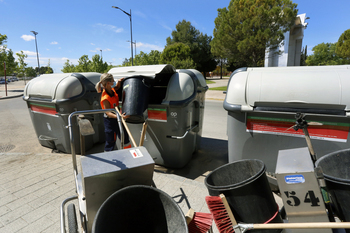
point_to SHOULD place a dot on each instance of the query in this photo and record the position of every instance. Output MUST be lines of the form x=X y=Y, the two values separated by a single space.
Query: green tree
x=21 y=66
x=3 y=39
x=49 y=70
x=84 y=64
x=11 y=63
x=324 y=54
x=303 y=56
x=6 y=55
x=343 y=45
x=151 y=58
x=44 y=70
x=199 y=44
x=30 y=72
x=178 y=55
x=68 y=67
x=127 y=62
x=246 y=28
x=97 y=65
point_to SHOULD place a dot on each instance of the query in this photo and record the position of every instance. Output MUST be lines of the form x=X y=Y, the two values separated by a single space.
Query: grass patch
x=224 y=88
x=209 y=82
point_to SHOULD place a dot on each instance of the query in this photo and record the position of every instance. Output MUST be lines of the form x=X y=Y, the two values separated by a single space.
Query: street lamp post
x=37 y=55
x=101 y=54
x=128 y=14
x=135 y=50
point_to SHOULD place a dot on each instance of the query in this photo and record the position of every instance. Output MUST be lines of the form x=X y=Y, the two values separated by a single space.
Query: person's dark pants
x=111 y=132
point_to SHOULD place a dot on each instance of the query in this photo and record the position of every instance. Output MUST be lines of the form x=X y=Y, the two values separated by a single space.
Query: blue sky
x=70 y=29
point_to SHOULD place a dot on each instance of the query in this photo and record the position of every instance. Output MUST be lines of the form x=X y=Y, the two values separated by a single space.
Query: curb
x=10 y=97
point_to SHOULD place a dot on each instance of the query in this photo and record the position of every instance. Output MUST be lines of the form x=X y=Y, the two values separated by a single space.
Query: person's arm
x=106 y=105
x=119 y=83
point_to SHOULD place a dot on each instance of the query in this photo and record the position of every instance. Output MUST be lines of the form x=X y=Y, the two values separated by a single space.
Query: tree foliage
x=21 y=66
x=343 y=45
x=6 y=55
x=303 y=56
x=246 y=28
x=142 y=59
x=199 y=44
x=178 y=55
x=30 y=72
x=324 y=54
x=44 y=70
x=86 y=65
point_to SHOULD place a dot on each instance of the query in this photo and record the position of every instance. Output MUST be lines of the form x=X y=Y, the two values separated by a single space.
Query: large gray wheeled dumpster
x=262 y=104
x=52 y=97
x=175 y=109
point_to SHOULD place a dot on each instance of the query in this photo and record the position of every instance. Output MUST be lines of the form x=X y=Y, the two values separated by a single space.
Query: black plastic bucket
x=135 y=98
x=247 y=190
x=139 y=208
x=336 y=172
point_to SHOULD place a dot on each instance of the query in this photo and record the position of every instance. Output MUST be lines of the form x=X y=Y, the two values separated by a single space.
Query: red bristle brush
x=198 y=222
x=221 y=212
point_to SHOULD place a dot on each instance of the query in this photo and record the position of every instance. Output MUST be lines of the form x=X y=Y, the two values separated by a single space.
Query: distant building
x=291 y=48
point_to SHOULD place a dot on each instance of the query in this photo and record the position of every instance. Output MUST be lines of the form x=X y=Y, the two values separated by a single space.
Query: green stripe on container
x=157 y=109
x=42 y=105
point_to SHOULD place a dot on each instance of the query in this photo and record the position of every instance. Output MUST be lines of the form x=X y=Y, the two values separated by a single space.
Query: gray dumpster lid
x=58 y=86
x=148 y=71
x=319 y=87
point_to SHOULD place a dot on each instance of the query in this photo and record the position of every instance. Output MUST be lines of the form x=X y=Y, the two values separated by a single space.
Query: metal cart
x=100 y=175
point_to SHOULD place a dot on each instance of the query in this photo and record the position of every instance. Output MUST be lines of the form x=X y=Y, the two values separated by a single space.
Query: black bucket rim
x=329 y=177
x=140 y=186
x=240 y=184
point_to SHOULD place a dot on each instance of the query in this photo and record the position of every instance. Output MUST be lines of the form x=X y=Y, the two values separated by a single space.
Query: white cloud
x=139 y=13
x=166 y=27
x=110 y=27
x=28 y=37
x=95 y=50
x=30 y=53
x=92 y=43
x=99 y=50
x=54 y=42
x=140 y=45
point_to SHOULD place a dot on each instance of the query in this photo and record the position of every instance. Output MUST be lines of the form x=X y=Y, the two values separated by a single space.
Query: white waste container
x=262 y=103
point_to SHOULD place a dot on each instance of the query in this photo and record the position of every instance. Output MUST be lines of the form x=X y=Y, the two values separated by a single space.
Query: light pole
x=37 y=55
x=101 y=54
x=132 y=57
x=135 y=49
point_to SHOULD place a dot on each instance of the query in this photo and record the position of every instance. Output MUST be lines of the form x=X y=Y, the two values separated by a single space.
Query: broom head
x=220 y=214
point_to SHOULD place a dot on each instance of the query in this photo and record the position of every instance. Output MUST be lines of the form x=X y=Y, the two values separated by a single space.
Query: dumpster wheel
x=72 y=219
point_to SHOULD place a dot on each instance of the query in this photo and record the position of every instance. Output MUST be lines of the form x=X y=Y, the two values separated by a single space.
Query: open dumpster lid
x=283 y=88
x=149 y=71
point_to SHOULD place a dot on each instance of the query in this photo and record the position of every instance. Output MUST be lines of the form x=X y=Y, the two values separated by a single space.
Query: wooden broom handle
x=304 y=225
x=127 y=128
x=144 y=128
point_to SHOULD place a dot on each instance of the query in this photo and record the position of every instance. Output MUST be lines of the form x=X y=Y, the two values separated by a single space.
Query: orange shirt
x=113 y=101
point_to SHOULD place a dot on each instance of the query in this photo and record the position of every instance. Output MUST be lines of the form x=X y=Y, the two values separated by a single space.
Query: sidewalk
x=12 y=89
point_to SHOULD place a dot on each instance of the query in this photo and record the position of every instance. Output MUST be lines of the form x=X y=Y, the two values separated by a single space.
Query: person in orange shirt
x=110 y=99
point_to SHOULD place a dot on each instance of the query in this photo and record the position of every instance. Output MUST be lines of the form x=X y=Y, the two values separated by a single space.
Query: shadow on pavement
x=212 y=154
